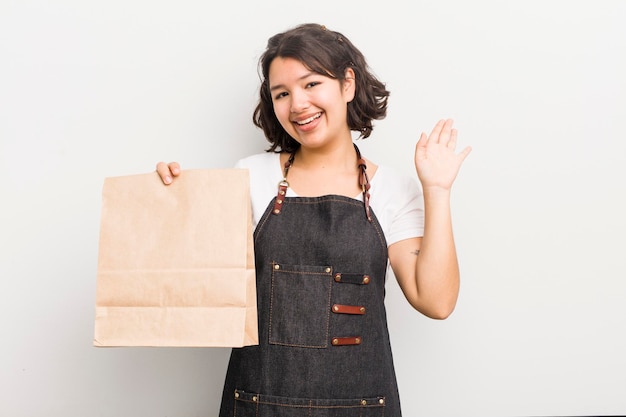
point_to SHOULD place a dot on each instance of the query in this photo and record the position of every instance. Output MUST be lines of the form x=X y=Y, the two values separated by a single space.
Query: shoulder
x=264 y=174
x=391 y=183
x=396 y=198
x=264 y=160
x=264 y=170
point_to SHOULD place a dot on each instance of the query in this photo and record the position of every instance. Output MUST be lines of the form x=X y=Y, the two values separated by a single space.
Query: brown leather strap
x=346 y=341
x=282 y=186
x=345 y=309
x=280 y=197
x=364 y=182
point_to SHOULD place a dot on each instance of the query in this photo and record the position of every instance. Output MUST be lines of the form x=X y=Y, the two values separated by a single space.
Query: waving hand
x=436 y=160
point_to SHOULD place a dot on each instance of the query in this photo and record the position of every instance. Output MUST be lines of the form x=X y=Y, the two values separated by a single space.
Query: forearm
x=437 y=270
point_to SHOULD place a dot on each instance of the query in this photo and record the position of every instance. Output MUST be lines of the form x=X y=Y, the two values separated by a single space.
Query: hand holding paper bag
x=176 y=263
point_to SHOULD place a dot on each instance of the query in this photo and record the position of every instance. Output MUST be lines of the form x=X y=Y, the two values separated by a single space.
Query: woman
x=323 y=244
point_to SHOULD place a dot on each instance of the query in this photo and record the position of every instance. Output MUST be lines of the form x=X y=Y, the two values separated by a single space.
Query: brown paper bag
x=176 y=263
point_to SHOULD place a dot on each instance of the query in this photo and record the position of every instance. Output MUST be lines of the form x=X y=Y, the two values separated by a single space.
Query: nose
x=299 y=101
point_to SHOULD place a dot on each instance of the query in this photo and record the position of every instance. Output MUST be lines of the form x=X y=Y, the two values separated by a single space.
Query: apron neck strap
x=364 y=183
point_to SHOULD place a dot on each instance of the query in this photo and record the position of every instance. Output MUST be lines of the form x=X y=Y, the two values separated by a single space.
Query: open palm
x=436 y=160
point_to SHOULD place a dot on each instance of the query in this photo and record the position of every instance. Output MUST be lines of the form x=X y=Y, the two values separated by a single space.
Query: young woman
x=328 y=223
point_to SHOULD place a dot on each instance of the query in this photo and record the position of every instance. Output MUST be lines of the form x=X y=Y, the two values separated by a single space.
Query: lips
x=308 y=119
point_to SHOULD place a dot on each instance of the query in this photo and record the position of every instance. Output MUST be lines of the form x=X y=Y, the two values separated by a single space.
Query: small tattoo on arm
x=416 y=252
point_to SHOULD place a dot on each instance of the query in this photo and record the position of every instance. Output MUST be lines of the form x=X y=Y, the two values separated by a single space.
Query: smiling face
x=311 y=107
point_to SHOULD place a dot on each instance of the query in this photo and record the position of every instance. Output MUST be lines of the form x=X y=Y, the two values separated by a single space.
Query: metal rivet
x=362 y=309
x=335 y=308
x=381 y=401
x=236 y=394
x=337 y=277
x=335 y=341
x=366 y=279
x=276 y=211
x=255 y=398
x=281 y=192
x=357 y=340
x=276 y=266
x=363 y=402
x=327 y=269
x=279 y=201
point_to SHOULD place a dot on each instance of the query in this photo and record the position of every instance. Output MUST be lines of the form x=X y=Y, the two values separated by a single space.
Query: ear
x=349 y=85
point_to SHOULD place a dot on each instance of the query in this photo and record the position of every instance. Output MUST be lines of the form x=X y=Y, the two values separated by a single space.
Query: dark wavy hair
x=327 y=53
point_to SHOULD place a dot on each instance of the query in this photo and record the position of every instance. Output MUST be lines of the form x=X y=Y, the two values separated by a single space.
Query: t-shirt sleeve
x=264 y=176
x=406 y=219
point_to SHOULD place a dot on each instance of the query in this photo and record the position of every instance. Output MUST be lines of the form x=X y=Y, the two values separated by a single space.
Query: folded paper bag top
x=176 y=262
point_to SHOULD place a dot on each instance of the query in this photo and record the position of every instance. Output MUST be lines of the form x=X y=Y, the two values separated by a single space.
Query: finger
x=434 y=134
x=164 y=172
x=452 y=141
x=446 y=131
x=420 y=149
x=463 y=154
x=422 y=140
x=174 y=168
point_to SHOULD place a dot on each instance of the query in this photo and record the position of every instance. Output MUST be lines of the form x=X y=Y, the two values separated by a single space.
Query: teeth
x=309 y=120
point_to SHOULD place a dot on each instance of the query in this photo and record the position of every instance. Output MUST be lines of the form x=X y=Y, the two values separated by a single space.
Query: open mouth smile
x=308 y=120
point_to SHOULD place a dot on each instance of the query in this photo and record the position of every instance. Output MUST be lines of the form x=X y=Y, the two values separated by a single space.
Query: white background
x=538 y=88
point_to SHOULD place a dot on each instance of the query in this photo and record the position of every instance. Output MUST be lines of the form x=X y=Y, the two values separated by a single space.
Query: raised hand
x=436 y=160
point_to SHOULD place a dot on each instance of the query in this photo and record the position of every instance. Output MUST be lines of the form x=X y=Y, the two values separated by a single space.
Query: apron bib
x=323 y=341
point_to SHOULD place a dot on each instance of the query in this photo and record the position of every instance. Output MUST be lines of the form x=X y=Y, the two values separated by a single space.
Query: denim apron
x=323 y=341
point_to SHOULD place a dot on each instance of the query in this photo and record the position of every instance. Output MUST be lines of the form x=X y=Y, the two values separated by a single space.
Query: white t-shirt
x=396 y=199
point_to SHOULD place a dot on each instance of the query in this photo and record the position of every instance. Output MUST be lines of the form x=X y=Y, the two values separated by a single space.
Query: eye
x=312 y=84
x=280 y=95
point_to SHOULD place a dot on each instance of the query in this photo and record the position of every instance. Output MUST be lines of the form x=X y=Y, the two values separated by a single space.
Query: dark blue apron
x=323 y=340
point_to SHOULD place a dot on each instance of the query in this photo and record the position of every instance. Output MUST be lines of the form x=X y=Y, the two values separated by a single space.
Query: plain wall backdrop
x=94 y=89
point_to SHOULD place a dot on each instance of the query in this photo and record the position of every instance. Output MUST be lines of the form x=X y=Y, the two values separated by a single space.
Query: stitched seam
x=330 y=286
x=269 y=334
x=353 y=202
x=372 y=402
x=293 y=271
x=310 y=405
x=264 y=219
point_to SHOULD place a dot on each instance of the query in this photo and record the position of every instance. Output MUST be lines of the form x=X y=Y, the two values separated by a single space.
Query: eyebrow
x=280 y=86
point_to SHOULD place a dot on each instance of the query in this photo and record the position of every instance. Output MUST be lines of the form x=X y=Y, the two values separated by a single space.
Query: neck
x=341 y=156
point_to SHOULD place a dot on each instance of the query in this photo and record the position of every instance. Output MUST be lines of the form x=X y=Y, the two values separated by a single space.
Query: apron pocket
x=300 y=305
x=261 y=405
